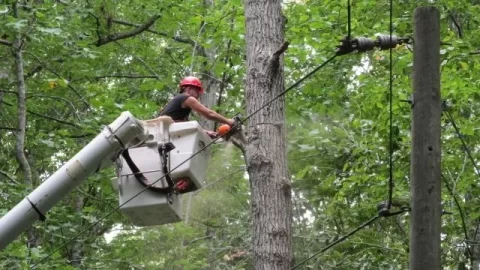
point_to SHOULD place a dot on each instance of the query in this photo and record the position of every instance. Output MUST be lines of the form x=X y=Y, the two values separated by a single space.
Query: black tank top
x=174 y=109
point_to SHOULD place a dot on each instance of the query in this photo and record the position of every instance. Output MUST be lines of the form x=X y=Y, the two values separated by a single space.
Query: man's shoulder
x=181 y=97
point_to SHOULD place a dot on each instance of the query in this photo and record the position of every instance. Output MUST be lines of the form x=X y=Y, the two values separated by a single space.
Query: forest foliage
x=82 y=69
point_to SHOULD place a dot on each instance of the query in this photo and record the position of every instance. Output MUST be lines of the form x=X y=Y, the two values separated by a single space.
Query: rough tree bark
x=266 y=150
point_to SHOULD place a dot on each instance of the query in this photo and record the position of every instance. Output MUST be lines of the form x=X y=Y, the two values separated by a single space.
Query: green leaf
x=468 y=130
x=3 y=9
x=304 y=147
x=49 y=143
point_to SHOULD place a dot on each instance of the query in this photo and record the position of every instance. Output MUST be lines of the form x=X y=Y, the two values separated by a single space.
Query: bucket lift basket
x=146 y=206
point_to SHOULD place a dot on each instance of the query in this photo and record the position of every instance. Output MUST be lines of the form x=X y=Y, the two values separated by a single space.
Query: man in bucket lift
x=180 y=106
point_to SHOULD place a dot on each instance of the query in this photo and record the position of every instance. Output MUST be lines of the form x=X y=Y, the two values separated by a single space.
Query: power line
x=218 y=180
x=297 y=83
x=383 y=212
x=341 y=239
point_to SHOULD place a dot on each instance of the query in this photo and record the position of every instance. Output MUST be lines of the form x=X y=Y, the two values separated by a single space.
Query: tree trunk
x=475 y=249
x=210 y=84
x=266 y=147
x=22 y=122
x=76 y=251
x=209 y=99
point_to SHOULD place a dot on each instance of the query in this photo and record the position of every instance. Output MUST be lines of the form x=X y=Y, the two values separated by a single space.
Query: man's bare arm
x=198 y=107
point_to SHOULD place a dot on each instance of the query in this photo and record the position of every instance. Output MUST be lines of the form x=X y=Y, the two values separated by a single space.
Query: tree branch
x=94 y=198
x=140 y=60
x=239 y=139
x=198 y=239
x=33 y=71
x=9 y=177
x=46 y=117
x=126 y=76
x=176 y=38
x=29 y=74
x=110 y=38
x=238 y=143
x=458 y=28
x=8 y=128
x=74 y=110
x=53 y=119
x=281 y=50
x=275 y=58
x=5 y=42
x=21 y=112
x=175 y=61
x=9 y=92
x=60 y=77
x=98 y=25
x=80 y=136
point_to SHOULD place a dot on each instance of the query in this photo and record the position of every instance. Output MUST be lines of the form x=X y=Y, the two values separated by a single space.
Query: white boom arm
x=125 y=131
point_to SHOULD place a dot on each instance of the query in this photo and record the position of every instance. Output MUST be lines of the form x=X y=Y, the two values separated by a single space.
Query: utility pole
x=426 y=152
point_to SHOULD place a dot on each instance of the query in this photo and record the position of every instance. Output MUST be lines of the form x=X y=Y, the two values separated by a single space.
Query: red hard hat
x=192 y=81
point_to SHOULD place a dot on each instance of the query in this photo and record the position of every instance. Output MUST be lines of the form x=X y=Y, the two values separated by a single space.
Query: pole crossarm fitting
x=363 y=44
